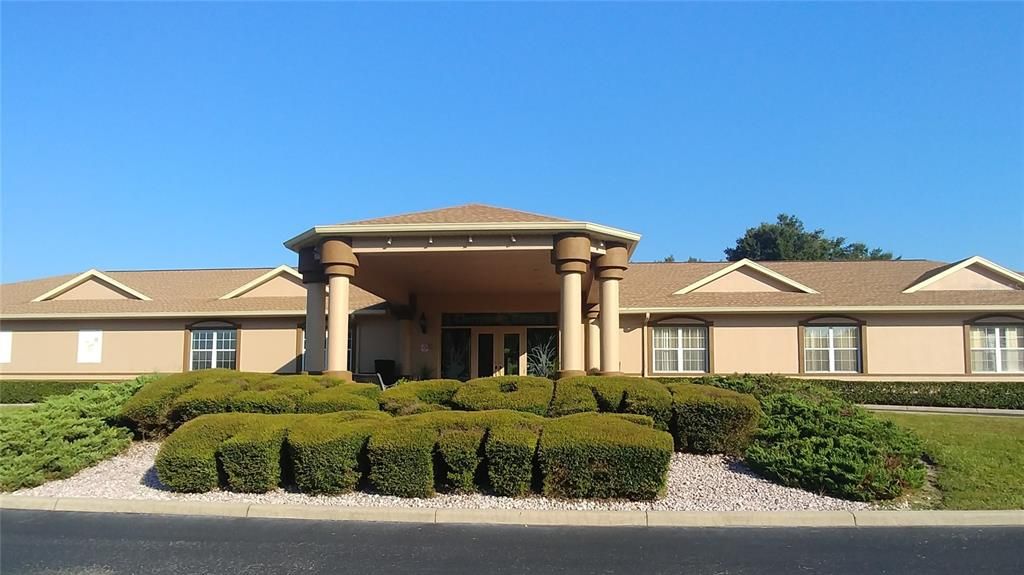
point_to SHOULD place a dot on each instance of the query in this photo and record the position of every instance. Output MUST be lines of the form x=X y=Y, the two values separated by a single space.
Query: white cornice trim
x=973 y=260
x=86 y=276
x=745 y=263
x=212 y=315
x=251 y=285
x=307 y=237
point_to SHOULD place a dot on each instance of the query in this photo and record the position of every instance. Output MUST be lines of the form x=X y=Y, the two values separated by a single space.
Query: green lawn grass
x=980 y=458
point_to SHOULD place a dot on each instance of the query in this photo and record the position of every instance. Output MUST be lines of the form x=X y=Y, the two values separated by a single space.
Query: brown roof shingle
x=172 y=291
x=465 y=214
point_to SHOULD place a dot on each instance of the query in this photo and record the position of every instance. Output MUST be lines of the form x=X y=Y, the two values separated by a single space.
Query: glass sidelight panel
x=455 y=353
x=485 y=355
x=511 y=354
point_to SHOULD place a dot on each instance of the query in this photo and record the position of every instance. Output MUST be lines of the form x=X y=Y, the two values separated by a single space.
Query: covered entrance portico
x=476 y=291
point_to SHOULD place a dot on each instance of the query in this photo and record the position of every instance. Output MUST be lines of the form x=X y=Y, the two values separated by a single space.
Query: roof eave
x=598 y=231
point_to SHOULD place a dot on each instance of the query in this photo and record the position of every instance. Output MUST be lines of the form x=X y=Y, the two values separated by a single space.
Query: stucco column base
x=571 y=373
x=346 y=375
x=610 y=373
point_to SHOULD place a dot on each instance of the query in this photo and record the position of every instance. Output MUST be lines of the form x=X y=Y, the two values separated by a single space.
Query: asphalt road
x=101 y=544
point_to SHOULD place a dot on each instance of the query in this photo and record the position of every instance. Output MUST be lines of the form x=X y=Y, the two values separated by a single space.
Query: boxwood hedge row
x=171 y=401
x=34 y=391
x=505 y=452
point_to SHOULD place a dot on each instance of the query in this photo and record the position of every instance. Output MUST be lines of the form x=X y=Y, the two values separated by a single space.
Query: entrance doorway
x=499 y=351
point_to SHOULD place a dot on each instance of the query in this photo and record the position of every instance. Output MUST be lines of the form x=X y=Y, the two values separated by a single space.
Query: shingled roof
x=646 y=287
x=465 y=214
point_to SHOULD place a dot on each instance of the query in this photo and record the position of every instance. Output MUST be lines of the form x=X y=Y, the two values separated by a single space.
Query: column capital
x=612 y=263
x=571 y=253
x=338 y=259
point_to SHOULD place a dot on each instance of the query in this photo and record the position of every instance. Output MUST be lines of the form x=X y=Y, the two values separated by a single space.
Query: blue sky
x=201 y=135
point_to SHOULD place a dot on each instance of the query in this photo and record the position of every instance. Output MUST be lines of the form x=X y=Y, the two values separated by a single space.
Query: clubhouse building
x=475 y=290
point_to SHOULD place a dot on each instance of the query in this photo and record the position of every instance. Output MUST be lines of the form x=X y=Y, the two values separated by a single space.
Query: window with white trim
x=832 y=349
x=214 y=347
x=679 y=349
x=997 y=348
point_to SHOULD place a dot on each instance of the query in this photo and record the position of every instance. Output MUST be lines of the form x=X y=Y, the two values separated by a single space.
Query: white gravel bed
x=695 y=483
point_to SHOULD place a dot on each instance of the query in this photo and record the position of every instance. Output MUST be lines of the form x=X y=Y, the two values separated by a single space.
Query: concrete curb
x=880 y=518
x=945 y=410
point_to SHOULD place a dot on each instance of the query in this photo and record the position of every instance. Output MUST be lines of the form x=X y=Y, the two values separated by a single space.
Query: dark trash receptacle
x=386 y=369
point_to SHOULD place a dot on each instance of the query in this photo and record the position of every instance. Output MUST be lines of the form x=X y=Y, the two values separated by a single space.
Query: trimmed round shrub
x=419 y=396
x=572 y=395
x=461 y=458
x=613 y=394
x=148 y=411
x=712 y=420
x=187 y=460
x=251 y=458
x=518 y=393
x=833 y=447
x=511 y=452
x=603 y=456
x=344 y=397
x=401 y=457
x=328 y=452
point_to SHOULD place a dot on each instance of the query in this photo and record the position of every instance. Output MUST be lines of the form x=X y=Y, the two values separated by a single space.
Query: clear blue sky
x=198 y=135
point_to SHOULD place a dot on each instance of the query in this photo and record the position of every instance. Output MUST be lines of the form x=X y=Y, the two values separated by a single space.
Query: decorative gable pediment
x=745 y=276
x=973 y=274
x=282 y=281
x=92 y=285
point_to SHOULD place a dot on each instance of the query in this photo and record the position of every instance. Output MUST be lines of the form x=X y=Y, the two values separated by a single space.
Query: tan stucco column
x=316 y=310
x=609 y=268
x=593 y=340
x=571 y=257
x=340 y=266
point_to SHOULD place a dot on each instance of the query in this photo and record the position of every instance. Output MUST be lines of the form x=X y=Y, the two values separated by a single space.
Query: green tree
x=787 y=239
x=669 y=258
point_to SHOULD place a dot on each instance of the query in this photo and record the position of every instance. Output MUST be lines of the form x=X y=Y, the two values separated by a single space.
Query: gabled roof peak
x=258 y=281
x=94 y=275
x=942 y=273
x=747 y=264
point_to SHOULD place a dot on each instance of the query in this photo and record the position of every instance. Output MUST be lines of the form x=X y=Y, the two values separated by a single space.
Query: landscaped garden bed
x=743 y=442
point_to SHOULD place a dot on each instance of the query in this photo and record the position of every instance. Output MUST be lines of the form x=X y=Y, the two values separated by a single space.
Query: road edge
x=874 y=518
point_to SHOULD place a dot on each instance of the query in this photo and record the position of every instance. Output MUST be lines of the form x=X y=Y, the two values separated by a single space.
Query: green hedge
x=712 y=420
x=602 y=456
x=419 y=396
x=517 y=393
x=328 y=452
x=810 y=438
x=588 y=455
x=63 y=435
x=34 y=391
x=609 y=394
x=986 y=394
x=167 y=403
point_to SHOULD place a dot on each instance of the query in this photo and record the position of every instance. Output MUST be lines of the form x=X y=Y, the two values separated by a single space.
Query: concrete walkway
x=945 y=410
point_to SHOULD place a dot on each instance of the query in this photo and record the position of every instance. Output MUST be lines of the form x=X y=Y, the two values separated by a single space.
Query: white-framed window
x=832 y=348
x=351 y=347
x=214 y=347
x=997 y=348
x=90 y=346
x=680 y=348
x=6 y=340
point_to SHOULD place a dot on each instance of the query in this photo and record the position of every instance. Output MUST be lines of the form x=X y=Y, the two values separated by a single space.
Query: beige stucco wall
x=755 y=344
x=269 y=345
x=973 y=277
x=915 y=344
x=130 y=347
x=49 y=349
x=745 y=280
x=93 y=289
x=376 y=338
x=631 y=344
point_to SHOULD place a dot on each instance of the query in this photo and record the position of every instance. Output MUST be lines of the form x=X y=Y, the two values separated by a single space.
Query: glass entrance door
x=499 y=351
